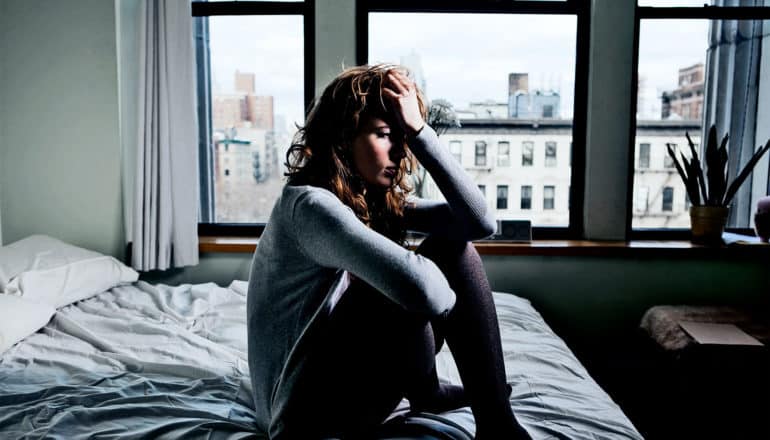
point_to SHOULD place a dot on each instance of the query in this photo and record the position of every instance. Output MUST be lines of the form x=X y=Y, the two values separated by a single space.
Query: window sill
x=582 y=248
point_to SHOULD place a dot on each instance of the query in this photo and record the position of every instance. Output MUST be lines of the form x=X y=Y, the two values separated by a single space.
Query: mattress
x=158 y=361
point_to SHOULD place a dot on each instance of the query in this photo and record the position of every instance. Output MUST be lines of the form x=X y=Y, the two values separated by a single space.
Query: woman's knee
x=450 y=255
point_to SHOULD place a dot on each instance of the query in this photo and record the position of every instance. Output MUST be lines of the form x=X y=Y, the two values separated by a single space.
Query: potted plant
x=709 y=192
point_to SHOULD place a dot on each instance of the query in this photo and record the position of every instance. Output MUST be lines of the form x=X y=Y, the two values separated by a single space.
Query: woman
x=343 y=320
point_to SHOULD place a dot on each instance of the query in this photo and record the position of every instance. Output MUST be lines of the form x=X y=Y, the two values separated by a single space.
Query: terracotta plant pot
x=708 y=223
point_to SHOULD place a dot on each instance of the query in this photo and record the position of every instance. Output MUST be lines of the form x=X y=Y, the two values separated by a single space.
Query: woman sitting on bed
x=343 y=319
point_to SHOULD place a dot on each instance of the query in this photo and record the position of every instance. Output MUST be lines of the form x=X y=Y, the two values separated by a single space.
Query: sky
x=465 y=57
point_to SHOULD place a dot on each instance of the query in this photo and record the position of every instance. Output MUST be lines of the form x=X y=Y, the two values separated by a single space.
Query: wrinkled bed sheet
x=157 y=361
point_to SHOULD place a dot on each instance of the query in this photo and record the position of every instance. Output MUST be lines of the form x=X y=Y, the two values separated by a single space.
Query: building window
x=668 y=199
x=642 y=199
x=502 y=196
x=456 y=148
x=503 y=154
x=548 y=196
x=481 y=154
x=550 y=154
x=667 y=161
x=251 y=94
x=527 y=153
x=644 y=156
x=483 y=189
x=526 y=197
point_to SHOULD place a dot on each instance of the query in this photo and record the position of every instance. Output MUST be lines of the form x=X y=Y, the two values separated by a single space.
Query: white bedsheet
x=156 y=361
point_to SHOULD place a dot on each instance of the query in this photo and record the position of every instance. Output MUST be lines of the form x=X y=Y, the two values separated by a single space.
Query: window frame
x=673 y=13
x=305 y=9
x=580 y=9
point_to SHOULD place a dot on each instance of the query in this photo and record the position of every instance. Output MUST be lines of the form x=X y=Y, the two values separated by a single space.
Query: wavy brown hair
x=320 y=154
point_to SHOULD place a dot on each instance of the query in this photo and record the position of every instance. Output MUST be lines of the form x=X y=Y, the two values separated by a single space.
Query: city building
x=686 y=101
x=523 y=167
x=526 y=104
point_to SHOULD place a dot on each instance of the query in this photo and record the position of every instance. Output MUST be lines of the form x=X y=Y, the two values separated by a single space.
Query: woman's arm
x=465 y=215
x=331 y=235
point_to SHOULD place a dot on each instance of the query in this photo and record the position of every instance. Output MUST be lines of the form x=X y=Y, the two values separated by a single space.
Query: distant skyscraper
x=686 y=101
x=242 y=108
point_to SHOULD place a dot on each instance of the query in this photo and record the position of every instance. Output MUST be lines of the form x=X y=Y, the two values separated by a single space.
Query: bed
x=139 y=360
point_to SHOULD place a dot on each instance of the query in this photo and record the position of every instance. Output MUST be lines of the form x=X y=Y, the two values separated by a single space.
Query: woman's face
x=375 y=155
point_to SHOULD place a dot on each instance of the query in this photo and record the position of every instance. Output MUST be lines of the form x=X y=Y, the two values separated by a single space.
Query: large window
x=513 y=96
x=697 y=66
x=252 y=87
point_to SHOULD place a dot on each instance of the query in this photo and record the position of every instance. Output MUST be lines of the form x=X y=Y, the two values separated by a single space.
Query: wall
x=61 y=154
x=3 y=40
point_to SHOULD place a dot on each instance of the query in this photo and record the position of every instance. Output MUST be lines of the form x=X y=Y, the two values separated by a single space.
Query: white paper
x=717 y=333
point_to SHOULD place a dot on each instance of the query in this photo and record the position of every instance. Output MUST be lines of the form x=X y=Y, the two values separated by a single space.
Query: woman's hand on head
x=402 y=93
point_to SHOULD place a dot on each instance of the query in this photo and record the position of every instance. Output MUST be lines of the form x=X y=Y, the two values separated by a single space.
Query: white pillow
x=44 y=269
x=20 y=318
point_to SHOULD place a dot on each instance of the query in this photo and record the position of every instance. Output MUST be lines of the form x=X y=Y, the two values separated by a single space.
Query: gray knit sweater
x=312 y=240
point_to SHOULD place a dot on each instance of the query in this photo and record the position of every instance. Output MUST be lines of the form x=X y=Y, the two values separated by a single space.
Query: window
x=481 y=154
x=248 y=106
x=539 y=74
x=642 y=200
x=456 y=148
x=686 y=49
x=526 y=197
x=644 y=156
x=483 y=189
x=668 y=199
x=667 y=161
x=527 y=153
x=503 y=154
x=548 y=196
x=502 y=196
x=550 y=154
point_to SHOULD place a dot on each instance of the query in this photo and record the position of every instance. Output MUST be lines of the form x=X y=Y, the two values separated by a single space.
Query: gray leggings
x=372 y=353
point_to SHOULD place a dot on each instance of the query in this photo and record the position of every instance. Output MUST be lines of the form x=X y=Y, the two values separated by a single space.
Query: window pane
x=550 y=154
x=502 y=197
x=257 y=70
x=668 y=199
x=503 y=154
x=526 y=197
x=527 y=153
x=548 y=196
x=513 y=94
x=672 y=63
x=481 y=154
x=671 y=91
